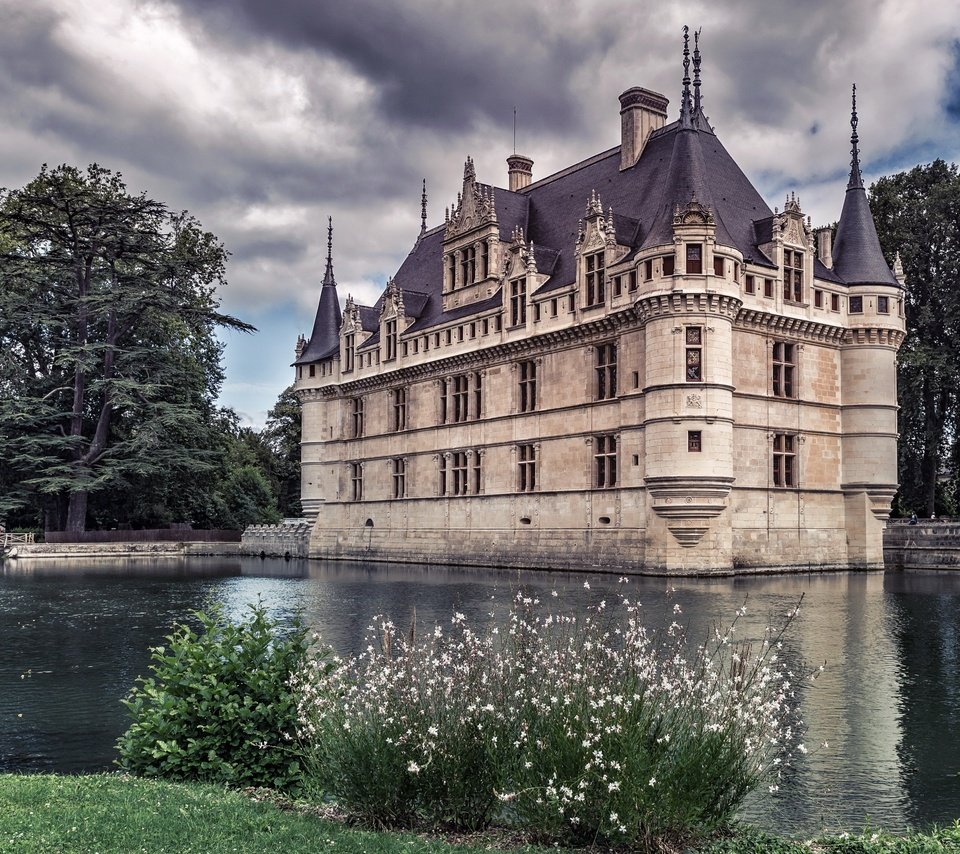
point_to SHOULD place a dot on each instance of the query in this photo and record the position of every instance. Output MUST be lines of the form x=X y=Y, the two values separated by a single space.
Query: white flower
x=676 y=609
x=653 y=781
x=614 y=818
x=613 y=787
x=586 y=585
x=413 y=768
x=802 y=748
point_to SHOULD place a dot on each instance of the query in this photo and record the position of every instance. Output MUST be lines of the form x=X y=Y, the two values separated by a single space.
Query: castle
x=630 y=365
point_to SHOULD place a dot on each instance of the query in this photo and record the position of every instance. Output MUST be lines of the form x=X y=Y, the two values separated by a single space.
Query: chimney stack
x=825 y=246
x=641 y=113
x=520 y=170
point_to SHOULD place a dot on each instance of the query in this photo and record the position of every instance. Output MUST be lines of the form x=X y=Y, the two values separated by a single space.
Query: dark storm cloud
x=434 y=66
x=952 y=104
x=271 y=249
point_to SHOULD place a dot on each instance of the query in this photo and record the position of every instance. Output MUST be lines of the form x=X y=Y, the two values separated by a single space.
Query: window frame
x=784 y=452
x=693 y=354
x=527 y=467
x=527 y=386
x=605 y=461
x=594 y=277
x=606 y=355
x=783 y=373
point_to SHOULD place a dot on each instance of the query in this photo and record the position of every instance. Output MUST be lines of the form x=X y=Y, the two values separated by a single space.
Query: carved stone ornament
x=475 y=205
x=694 y=401
x=694 y=213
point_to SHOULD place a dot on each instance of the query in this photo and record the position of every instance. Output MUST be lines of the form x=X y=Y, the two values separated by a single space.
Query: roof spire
x=423 y=208
x=685 y=96
x=328 y=274
x=856 y=180
x=696 y=71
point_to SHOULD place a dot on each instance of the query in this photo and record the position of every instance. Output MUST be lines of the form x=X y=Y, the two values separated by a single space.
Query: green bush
x=219 y=707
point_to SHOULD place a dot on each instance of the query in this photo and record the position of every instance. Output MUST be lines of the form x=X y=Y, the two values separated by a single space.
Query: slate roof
x=325 y=338
x=683 y=160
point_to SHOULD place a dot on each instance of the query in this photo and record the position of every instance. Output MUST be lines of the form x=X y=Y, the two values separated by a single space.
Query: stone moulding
x=685 y=500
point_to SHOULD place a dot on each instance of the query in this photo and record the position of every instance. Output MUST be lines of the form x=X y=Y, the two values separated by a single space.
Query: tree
x=282 y=436
x=918 y=214
x=108 y=359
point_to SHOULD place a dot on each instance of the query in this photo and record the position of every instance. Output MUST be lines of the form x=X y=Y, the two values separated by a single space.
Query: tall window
x=528 y=386
x=356 y=481
x=596 y=283
x=452 y=271
x=855 y=306
x=883 y=305
x=784 y=459
x=748 y=286
x=784 y=367
x=694 y=366
x=390 y=335
x=349 y=342
x=468 y=266
x=527 y=468
x=668 y=265
x=356 y=412
x=484 y=260
x=398 y=406
x=605 y=461
x=460 y=473
x=694 y=441
x=477 y=394
x=792 y=275
x=461 y=397
x=518 y=302
x=694 y=258
x=399 y=477
x=717 y=265
x=606 y=371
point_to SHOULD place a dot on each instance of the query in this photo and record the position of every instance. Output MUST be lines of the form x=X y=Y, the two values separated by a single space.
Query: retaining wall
x=291 y=539
x=926 y=545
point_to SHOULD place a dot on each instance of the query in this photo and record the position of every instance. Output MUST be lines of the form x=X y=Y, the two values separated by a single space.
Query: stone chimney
x=825 y=246
x=520 y=170
x=641 y=113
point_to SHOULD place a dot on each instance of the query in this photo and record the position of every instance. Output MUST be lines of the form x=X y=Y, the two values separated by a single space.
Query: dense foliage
x=219 y=707
x=917 y=214
x=579 y=729
x=110 y=369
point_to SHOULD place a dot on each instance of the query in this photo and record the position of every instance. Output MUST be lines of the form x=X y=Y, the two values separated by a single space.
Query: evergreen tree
x=918 y=214
x=109 y=365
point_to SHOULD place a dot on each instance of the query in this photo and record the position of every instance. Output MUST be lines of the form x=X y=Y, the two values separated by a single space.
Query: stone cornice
x=678 y=302
x=797 y=327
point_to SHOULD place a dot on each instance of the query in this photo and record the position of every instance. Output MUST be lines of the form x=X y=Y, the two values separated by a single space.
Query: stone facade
x=690 y=384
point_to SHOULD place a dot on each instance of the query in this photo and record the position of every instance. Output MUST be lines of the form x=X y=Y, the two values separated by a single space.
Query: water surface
x=75 y=637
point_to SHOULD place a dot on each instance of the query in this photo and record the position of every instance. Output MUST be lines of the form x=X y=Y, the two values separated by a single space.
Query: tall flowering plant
x=573 y=727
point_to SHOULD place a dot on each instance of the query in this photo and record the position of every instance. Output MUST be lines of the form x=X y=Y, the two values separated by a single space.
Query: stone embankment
x=289 y=539
x=122 y=550
x=930 y=544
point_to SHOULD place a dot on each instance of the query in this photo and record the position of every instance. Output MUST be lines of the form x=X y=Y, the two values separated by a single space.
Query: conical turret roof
x=857 y=256
x=325 y=338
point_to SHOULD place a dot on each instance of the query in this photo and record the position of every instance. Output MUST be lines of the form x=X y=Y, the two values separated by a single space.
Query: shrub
x=219 y=707
x=577 y=728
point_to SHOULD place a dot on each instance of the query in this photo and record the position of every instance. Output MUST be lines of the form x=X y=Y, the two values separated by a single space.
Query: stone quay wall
x=290 y=539
x=927 y=545
x=122 y=550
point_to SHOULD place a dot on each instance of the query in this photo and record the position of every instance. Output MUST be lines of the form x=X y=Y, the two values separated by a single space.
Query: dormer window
x=348 y=347
x=518 y=302
x=694 y=258
x=468 y=266
x=792 y=275
x=390 y=339
x=596 y=283
x=484 y=260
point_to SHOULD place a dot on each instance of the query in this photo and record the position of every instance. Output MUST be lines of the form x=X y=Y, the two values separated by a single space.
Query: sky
x=264 y=117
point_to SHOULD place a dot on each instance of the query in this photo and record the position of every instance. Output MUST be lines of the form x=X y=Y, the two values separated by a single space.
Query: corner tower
x=868 y=369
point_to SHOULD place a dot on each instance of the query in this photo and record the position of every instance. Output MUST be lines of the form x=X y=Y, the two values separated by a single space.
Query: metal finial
x=696 y=71
x=685 y=97
x=856 y=180
x=328 y=278
x=423 y=208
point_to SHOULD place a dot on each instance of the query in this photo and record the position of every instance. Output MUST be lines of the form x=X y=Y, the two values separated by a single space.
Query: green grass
x=110 y=813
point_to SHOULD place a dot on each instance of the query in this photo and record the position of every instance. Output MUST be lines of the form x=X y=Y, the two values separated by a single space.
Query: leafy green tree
x=918 y=214
x=282 y=436
x=108 y=360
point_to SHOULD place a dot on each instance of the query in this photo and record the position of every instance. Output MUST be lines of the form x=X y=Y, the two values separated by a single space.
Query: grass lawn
x=110 y=813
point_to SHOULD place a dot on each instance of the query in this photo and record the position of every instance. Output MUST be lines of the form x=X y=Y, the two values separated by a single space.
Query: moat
x=75 y=637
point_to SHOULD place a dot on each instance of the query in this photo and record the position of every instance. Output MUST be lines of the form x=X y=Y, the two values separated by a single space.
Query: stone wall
x=122 y=550
x=926 y=545
x=291 y=539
